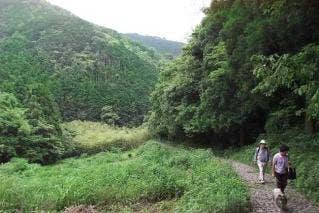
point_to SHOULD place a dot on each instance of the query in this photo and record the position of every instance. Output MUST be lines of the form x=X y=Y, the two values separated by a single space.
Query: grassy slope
x=93 y=137
x=303 y=154
x=185 y=180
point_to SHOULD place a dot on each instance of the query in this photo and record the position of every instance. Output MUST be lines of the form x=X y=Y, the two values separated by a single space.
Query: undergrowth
x=194 y=180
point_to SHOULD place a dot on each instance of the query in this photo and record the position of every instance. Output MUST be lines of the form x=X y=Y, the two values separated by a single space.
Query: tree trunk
x=310 y=125
x=241 y=136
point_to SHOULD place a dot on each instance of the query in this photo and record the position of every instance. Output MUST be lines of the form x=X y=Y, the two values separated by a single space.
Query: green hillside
x=55 y=66
x=91 y=66
x=170 y=49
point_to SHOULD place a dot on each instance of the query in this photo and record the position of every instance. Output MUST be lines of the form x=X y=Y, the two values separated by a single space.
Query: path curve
x=261 y=194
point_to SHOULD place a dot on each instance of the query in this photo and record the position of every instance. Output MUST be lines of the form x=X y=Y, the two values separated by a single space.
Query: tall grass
x=189 y=180
x=92 y=137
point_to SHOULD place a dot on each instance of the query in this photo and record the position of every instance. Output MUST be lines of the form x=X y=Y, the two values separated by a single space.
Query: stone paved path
x=261 y=194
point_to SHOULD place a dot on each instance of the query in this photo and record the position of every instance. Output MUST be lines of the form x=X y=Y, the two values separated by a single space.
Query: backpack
x=268 y=155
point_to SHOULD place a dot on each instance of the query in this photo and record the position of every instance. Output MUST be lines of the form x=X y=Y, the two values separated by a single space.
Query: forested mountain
x=55 y=66
x=170 y=49
x=251 y=66
x=92 y=66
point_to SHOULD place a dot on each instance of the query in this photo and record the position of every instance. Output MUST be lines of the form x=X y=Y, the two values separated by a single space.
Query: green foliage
x=217 y=107
x=249 y=64
x=29 y=115
x=25 y=135
x=13 y=123
x=154 y=172
x=200 y=103
x=6 y=152
x=13 y=119
x=109 y=116
x=168 y=101
x=297 y=73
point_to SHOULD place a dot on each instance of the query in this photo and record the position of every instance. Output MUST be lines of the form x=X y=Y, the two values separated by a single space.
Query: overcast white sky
x=172 y=19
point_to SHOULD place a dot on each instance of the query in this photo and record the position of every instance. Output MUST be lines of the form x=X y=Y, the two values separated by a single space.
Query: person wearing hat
x=262 y=157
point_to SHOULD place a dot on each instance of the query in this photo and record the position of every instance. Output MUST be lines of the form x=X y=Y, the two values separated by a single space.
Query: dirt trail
x=261 y=194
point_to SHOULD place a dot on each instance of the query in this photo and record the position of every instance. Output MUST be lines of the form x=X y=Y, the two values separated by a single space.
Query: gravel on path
x=262 y=194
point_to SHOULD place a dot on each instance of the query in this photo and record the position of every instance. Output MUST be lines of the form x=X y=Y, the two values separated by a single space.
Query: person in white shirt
x=280 y=167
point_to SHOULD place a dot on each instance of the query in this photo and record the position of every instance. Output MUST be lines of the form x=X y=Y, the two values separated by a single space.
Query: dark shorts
x=282 y=180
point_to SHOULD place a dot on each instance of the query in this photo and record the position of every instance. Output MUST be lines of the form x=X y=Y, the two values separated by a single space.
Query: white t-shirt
x=281 y=163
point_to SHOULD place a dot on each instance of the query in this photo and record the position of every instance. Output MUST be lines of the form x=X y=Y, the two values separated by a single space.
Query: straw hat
x=262 y=142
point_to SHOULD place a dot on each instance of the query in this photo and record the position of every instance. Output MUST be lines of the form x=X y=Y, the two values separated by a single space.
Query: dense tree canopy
x=249 y=64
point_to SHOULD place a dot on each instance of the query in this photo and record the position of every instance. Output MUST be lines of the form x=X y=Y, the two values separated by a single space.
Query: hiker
x=280 y=165
x=262 y=157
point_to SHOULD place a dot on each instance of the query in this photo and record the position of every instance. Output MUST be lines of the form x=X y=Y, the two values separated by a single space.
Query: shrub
x=109 y=116
x=27 y=132
x=13 y=119
x=6 y=152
